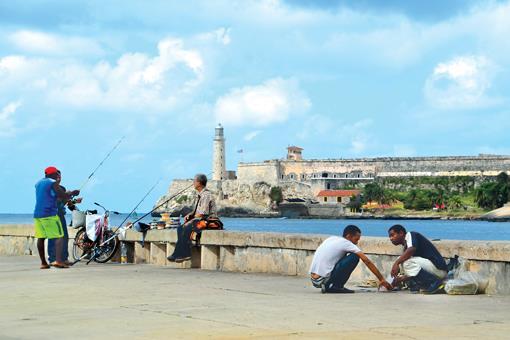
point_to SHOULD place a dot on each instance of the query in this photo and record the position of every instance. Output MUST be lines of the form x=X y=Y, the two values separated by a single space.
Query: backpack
x=209 y=223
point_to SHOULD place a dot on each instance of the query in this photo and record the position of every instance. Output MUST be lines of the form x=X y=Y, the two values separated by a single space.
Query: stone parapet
x=278 y=253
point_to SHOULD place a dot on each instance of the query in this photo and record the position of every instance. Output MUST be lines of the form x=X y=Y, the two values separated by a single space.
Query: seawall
x=277 y=253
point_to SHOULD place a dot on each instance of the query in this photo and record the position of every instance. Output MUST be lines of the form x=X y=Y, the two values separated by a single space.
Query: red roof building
x=337 y=196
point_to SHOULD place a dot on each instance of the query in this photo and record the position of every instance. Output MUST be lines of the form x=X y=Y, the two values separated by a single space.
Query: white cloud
x=251 y=135
x=137 y=81
x=274 y=101
x=315 y=125
x=52 y=44
x=396 y=41
x=460 y=83
x=359 y=144
x=358 y=134
x=221 y=35
x=7 y=128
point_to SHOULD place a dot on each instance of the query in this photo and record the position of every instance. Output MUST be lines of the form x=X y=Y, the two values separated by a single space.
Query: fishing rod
x=101 y=163
x=137 y=220
x=159 y=206
x=136 y=207
x=162 y=204
x=115 y=231
x=147 y=214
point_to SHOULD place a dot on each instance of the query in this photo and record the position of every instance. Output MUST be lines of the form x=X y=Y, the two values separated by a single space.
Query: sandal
x=45 y=266
x=60 y=265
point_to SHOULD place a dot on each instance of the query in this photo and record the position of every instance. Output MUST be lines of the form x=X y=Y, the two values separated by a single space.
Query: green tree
x=373 y=192
x=454 y=202
x=355 y=203
x=276 y=195
x=493 y=194
x=181 y=199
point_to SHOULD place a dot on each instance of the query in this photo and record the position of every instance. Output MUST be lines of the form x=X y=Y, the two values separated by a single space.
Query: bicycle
x=95 y=241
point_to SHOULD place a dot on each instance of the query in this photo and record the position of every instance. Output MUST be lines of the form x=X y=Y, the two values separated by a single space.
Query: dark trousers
x=51 y=243
x=183 y=245
x=342 y=271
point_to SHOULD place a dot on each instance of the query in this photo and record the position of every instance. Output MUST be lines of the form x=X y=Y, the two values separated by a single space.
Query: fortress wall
x=317 y=166
x=246 y=191
x=259 y=172
x=178 y=185
x=405 y=166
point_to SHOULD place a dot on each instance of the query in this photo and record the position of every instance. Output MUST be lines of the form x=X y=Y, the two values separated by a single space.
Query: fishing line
x=101 y=163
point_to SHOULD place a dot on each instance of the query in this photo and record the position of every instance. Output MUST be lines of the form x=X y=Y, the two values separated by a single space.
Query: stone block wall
x=276 y=253
x=383 y=167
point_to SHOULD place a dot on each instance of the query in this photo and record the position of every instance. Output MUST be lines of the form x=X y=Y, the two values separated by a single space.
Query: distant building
x=294 y=153
x=231 y=174
x=337 y=196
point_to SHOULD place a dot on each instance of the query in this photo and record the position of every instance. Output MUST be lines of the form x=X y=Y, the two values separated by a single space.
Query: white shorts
x=413 y=266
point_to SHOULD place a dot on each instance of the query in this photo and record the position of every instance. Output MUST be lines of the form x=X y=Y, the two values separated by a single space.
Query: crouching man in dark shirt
x=422 y=265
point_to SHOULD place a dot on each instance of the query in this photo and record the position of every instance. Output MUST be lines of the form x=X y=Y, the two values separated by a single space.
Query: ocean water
x=433 y=229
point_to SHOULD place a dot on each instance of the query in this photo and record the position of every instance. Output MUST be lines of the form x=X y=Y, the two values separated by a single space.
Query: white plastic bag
x=481 y=281
x=461 y=287
x=94 y=223
x=78 y=218
x=465 y=282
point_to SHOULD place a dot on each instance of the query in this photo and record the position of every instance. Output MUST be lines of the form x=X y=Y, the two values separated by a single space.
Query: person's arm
x=71 y=204
x=408 y=253
x=373 y=269
x=62 y=194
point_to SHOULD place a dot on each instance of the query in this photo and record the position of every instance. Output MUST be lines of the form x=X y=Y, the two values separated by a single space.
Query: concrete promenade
x=147 y=301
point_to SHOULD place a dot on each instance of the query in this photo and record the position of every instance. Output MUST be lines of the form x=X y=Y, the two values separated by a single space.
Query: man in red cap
x=46 y=221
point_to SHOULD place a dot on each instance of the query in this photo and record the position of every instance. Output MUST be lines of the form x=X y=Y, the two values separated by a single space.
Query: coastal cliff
x=233 y=197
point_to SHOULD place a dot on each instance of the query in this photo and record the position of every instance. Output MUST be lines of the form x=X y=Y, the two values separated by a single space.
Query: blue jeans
x=51 y=243
x=342 y=271
x=183 y=245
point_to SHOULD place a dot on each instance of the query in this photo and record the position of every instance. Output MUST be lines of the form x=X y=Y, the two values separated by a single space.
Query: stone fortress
x=300 y=178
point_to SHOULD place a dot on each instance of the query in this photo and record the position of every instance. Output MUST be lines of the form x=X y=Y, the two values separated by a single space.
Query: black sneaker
x=182 y=259
x=323 y=288
x=342 y=290
x=171 y=258
x=413 y=286
x=435 y=288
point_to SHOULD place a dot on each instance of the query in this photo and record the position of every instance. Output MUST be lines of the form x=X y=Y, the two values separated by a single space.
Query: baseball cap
x=50 y=170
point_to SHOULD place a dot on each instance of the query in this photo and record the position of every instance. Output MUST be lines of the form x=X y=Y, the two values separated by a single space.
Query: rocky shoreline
x=240 y=212
x=371 y=217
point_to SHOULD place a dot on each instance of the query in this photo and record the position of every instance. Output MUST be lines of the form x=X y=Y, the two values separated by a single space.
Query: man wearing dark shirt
x=422 y=265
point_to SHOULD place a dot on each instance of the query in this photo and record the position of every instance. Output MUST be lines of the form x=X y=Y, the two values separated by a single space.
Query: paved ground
x=144 y=301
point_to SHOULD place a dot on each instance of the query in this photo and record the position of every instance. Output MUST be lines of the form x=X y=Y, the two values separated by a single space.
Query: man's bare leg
x=42 y=256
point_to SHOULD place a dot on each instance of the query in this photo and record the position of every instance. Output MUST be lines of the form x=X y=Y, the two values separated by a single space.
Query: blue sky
x=342 y=79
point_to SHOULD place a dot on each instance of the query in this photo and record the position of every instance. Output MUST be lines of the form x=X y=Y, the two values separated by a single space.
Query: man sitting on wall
x=423 y=267
x=204 y=209
x=335 y=260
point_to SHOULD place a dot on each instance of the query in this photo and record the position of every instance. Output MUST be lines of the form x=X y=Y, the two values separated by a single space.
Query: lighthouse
x=219 y=171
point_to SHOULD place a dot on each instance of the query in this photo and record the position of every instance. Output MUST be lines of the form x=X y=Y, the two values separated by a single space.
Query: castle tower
x=218 y=166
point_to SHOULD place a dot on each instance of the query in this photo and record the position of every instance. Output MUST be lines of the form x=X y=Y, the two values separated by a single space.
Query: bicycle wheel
x=106 y=251
x=81 y=244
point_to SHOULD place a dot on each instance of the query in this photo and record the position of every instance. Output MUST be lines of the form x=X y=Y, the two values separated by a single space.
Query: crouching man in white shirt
x=335 y=260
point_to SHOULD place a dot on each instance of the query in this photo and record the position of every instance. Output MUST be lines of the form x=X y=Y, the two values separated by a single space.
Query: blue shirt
x=45 y=199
